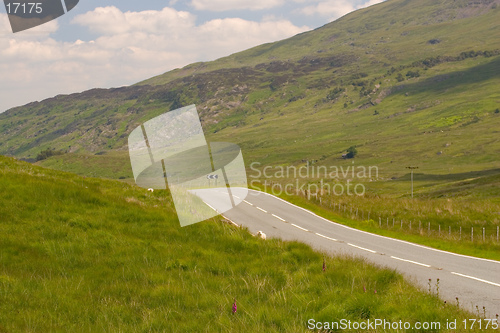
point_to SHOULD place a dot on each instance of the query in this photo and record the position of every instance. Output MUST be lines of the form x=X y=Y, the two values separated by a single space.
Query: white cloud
x=112 y=21
x=226 y=5
x=131 y=46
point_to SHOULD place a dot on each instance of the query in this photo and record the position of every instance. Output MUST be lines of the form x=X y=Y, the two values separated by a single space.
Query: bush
x=44 y=154
x=351 y=152
x=497 y=111
x=334 y=94
x=412 y=74
x=400 y=78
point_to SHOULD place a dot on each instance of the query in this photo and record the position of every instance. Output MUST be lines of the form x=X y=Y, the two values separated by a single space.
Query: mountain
x=406 y=82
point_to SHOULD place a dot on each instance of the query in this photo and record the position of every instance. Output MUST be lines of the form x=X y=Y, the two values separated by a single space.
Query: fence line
x=454 y=233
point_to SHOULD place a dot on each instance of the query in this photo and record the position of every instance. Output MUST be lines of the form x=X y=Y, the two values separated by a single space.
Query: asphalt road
x=475 y=281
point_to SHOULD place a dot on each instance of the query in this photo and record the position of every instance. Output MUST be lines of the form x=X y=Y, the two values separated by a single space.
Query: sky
x=103 y=44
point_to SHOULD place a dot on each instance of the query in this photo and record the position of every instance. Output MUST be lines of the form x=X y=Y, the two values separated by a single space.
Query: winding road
x=475 y=281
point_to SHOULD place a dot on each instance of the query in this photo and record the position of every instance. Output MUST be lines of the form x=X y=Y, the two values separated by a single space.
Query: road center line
x=265 y=211
x=375 y=235
x=477 y=279
x=279 y=218
x=333 y=239
x=361 y=248
x=296 y=226
x=412 y=262
x=247 y=202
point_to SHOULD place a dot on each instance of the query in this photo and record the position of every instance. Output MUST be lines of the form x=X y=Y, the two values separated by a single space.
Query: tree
x=351 y=152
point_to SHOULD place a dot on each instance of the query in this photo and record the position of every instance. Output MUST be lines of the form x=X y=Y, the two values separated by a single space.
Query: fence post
x=429 y=229
x=484 y=234
x=401 y=224
x=439 y=232
x=387 y=223
x=460 y=233
x=393 y=222
x=472 y=234
x=380 y=222
x=419 y=226
x=356 y=212
x=498 y=229
x=449 y=231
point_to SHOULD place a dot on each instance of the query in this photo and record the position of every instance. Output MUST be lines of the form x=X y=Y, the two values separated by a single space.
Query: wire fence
x=473 y=233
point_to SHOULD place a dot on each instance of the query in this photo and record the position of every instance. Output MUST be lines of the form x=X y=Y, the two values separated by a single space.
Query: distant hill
x=406 y=82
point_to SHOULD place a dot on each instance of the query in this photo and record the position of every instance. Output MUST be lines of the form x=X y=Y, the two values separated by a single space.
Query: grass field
x=98 y=255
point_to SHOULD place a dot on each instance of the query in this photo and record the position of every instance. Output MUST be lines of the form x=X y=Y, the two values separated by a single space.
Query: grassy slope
x=102 y=256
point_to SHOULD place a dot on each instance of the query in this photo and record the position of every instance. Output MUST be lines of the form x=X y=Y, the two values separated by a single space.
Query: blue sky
x=120 y=42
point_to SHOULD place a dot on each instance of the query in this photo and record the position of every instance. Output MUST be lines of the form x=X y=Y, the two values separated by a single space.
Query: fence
x=472 y=233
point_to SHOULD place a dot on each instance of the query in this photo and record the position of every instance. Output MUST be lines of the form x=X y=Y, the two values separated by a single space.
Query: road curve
x=475 y=281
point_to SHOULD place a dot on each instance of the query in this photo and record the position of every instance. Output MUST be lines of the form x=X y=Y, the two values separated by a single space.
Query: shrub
x=334 y=94
x=412 y=74
x=497 y=111
x=44 y=154
x=351 y=152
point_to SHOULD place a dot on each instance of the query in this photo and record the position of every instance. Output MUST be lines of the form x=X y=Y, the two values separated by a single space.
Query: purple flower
x=235 y=308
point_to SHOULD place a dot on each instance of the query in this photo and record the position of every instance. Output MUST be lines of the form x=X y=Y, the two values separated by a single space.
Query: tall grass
x=102 y=256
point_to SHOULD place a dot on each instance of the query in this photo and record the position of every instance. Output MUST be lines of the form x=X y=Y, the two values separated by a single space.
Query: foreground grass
x=103 y=256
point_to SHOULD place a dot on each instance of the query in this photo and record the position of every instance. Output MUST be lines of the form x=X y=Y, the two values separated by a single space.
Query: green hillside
x=91 y=255
x=403 y=81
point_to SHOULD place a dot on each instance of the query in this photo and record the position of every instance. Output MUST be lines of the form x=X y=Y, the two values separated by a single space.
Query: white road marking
x=212 y=208
x=247 y=202
x=412 y=262
x=477 y=279
x=379 y=236
x=230 y=220
x=265 y=211
x=333 y=239
x=296 y=226
x=361 y=248
x=279 y=218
